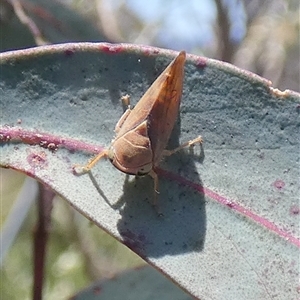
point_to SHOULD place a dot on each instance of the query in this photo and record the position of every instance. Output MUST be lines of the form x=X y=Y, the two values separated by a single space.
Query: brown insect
x=142 y=133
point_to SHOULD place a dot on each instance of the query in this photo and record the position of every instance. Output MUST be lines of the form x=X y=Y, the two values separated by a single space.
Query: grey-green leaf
x=230 y=228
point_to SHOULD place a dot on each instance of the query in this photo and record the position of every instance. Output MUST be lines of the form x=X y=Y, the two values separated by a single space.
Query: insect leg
x=84 y=169
x=187 y=144
x=126 y=106
x=122 y=120
x=126 y=101
x=156 y=192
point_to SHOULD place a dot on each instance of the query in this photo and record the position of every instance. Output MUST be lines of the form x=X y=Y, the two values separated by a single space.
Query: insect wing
x=167 y=91
x=144 y=108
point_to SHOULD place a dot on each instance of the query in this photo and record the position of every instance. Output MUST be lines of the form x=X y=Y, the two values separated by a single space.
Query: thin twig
x=28 y=22
x=41 y=237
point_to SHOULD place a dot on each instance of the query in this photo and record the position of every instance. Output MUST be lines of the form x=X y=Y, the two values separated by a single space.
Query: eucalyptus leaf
x=230 y=225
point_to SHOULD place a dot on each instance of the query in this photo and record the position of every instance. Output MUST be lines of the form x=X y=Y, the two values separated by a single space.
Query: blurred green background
x=260 y=36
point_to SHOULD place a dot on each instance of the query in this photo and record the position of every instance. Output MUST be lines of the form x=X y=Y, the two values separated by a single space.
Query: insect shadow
x=98 y=188
x=182 y=226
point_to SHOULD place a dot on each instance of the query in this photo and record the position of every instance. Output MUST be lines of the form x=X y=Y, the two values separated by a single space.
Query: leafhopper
x=142 y=133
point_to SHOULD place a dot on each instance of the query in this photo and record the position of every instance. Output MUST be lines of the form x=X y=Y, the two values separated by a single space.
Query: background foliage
x=260 y=37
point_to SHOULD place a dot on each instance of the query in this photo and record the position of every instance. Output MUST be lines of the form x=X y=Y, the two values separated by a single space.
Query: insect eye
x=111 y=154
x=145 y=170
x=142 y=172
